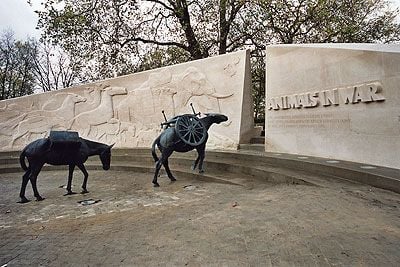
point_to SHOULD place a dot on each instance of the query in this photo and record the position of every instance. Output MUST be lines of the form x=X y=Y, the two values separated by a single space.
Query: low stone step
x=257 y=140
x=252 y=147
x=223 y=168
x=218 y=164
x=252 y=164
x=127 y=166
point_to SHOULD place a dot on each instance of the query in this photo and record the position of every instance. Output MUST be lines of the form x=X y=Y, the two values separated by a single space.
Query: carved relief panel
x=127 y=110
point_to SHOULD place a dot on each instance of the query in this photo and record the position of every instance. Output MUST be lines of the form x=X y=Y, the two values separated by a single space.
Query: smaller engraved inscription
x=301 y=121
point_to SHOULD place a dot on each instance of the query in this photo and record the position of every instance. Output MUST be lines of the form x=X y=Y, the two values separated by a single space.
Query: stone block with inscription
x=337 y=101
x=127 y=110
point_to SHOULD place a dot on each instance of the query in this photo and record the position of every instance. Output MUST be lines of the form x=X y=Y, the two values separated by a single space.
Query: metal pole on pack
x=165 y=118
x=194 y=112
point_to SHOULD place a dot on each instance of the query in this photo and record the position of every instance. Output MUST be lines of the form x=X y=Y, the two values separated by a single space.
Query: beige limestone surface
x=127 y=110
x=338 y=101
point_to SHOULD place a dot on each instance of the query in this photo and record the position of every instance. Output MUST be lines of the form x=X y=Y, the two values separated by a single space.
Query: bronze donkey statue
x=61 y=148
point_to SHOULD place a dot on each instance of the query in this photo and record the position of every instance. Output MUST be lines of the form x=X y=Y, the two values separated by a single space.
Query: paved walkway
x=193 y=223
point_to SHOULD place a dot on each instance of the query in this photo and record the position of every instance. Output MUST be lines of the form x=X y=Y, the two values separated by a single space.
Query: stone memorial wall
x=127 y=110
x=338 y=101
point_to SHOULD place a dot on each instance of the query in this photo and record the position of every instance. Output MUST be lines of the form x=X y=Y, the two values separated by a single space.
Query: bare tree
x=16 y=77
x=53 y=68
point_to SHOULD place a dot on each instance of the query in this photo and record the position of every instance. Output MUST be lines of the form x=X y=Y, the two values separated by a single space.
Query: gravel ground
x=194 y=223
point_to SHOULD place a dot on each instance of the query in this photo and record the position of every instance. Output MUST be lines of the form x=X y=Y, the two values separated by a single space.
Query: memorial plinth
x=337 y=101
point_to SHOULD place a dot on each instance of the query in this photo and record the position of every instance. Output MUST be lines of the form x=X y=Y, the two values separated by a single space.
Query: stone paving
x=194 y=223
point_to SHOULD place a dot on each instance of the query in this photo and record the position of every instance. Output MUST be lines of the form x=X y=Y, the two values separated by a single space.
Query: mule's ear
x=111 y=146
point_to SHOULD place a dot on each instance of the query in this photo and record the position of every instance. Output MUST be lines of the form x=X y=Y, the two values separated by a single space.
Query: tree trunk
x=182 y=13
x=223 y=27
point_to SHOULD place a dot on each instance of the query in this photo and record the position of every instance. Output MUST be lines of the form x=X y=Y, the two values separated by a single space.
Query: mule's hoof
x=201 y=171
x=193 y=167
x=156 y=185
x=172 y=179
x=23 y=200
x=39 y=198
x=84 y=191
x=69 y=193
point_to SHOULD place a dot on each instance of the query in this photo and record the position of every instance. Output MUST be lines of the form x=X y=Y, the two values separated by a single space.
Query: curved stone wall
x=127 y=110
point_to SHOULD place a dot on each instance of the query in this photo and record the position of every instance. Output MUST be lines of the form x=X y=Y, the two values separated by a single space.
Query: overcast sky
x=19 y=16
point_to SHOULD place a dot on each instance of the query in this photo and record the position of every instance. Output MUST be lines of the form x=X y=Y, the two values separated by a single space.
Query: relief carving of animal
x=42 y=121
x=100 y=115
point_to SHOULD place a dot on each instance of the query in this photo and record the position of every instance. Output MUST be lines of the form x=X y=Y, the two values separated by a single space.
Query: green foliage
x=258 y=82
x=161 y=57
x=112 y=37
x=321 y=21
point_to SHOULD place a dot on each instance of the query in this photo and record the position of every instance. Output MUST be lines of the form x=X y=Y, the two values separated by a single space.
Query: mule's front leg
x=85 y=179
x=202 y=154
x=69 y=184
x=194 y=165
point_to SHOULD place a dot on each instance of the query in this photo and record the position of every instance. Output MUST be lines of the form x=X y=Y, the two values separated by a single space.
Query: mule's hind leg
x=33 y=177
x=166 y=166
x=25 y=179
x=69 y=183
x=164 y=156
x=85 y=179
x=158 y=166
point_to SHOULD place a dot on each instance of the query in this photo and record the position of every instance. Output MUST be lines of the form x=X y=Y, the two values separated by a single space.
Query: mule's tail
x=22 y=160
x=153 y=149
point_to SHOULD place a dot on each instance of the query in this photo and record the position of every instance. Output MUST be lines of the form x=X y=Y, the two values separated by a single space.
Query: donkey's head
x=212 y=118
x=105 y=157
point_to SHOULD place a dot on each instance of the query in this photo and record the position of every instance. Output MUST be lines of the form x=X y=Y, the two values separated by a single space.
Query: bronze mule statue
x=182 y=134
x=61 y=148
